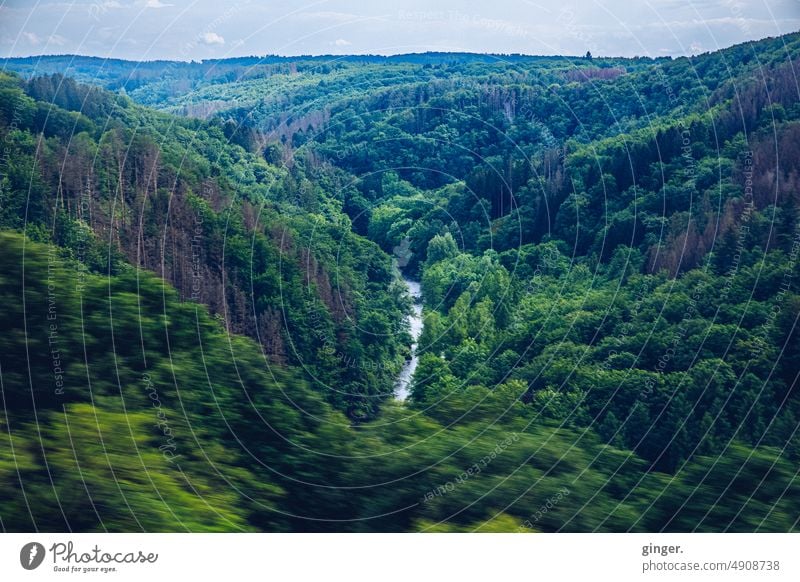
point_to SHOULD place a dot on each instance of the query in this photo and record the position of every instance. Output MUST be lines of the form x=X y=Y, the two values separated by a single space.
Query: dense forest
x=204 y=314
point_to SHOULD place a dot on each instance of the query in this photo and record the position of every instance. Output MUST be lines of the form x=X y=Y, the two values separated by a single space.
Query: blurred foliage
x=164 y=422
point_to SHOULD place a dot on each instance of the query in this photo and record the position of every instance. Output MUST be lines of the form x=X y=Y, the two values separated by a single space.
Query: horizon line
x=392 y=55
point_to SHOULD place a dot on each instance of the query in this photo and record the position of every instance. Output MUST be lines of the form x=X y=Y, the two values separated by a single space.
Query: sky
x=201 y=29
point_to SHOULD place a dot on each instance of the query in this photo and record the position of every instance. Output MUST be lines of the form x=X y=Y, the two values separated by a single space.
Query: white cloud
x=156 y=4
x=57 y=40
x=341 y=42
x=211 y=38
x=32 y=38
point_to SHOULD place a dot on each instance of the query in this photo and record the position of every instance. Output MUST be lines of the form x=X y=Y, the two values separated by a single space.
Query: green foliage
x=610 y=303
x=270 y=248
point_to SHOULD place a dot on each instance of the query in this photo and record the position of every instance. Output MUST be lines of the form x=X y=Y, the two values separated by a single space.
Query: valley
x=597 y=299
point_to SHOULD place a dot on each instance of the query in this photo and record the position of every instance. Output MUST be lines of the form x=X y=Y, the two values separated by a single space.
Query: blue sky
x=198 y=29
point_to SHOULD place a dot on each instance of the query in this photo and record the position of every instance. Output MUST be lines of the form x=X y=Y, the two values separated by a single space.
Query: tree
x=441 y=247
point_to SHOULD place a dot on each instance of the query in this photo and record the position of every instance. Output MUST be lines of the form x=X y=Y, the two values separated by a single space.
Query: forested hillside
x=608 y=251
x=267 y=249
x=161 y=421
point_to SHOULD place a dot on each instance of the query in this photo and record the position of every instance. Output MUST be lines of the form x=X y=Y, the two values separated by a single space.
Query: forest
x=204 y=312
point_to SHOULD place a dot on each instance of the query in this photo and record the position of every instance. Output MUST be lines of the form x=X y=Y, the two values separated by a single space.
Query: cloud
x=32 y=38
x=52 y=40
x=156 y=4
x=211 y=38
x=341 y=42
x=57 y=40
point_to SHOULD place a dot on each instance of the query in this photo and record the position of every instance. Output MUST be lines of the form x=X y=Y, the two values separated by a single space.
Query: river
x=415 y=323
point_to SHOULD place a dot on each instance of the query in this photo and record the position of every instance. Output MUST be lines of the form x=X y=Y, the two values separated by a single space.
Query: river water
x=415 y=323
